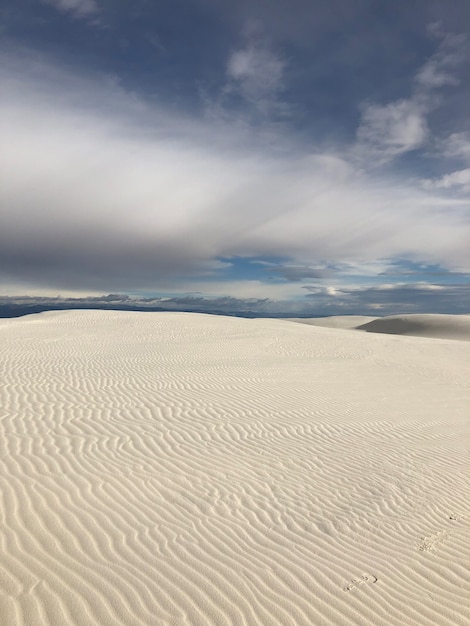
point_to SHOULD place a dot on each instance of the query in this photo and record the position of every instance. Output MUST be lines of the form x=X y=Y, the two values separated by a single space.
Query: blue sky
x=313 y=157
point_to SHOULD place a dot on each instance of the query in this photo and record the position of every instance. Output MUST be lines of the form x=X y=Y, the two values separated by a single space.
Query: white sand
x=172 y=468
x=416 y=325
x=334 y=321
x=436 y=326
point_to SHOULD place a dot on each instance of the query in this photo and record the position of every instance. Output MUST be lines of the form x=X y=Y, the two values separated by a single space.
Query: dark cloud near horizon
x=391 y=299
x=375 y=301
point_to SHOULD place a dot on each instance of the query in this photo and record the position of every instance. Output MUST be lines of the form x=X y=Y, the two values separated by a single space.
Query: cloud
x=324 y=300
x=393 y=129
x=438 y=70
x=390 y=299
x=459 y=180
x=254 y=82
x=77 y=8
x=256 y=73
x=104 y=192
x=458 y=146
x=297 y=273
x=390 y=130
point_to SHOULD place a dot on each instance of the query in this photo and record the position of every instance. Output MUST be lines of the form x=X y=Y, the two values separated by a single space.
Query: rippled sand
x=173 y=468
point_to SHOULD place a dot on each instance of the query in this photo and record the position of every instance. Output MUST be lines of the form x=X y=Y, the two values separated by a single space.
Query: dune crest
x=420 y=325
x=334 y=321
x=172 y=468
x=415 y=325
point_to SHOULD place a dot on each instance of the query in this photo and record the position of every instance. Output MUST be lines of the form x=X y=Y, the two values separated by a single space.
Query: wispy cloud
x=254 y=82
x=393 y=129
x=457 y=145
x=458 y=181
x=439 y=70
x=76 y=8
x=390 y=130
x=256 y=74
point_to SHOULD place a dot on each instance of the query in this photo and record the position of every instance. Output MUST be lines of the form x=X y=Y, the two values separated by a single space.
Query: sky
x=283 y=156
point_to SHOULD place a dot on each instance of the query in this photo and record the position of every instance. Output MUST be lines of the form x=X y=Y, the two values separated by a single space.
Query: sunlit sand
x=176 y=468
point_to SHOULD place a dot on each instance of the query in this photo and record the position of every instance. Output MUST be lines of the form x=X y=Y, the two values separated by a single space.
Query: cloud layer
x=92 y=197
x=239 y=191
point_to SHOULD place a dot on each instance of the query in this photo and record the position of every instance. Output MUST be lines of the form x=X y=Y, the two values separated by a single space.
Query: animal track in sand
x=356 y=582
x=432 y=542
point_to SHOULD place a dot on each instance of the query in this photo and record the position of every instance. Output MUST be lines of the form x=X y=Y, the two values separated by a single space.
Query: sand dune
x=416 y=325
x=171 y=468
x=436 y=326
x=334 y=321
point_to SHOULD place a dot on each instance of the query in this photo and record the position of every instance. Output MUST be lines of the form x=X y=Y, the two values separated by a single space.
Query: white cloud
x=393 y=129
x=389 y=130
x=255 y=77
x=438 y=70
x=457 y=145
x=256 y=72
x=103 y=192
x=459 y=180
x=77 y=8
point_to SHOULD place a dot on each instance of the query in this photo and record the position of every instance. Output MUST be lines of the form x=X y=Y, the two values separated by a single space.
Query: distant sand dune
x=436 y=326
x=417 y=325
x=184 y=469
x=334 y=321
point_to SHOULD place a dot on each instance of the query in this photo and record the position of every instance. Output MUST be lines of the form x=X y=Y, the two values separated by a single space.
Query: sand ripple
x=186 y=469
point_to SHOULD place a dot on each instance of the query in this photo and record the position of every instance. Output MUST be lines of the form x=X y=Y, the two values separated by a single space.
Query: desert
x=181 y=468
